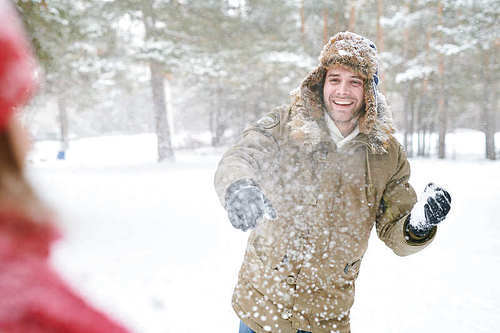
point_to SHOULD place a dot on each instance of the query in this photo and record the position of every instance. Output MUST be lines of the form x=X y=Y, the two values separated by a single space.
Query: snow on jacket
x=299 y=270
x=33 y=298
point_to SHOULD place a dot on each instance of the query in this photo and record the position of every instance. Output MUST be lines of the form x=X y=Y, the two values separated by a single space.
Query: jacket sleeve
x=394 y=211
x=255 y=152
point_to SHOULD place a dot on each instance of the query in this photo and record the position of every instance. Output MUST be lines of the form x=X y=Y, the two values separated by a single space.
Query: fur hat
x=359 y=54
x=17 y=65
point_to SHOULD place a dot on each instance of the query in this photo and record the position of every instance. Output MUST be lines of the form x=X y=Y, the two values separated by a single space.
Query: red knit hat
x=17 y=64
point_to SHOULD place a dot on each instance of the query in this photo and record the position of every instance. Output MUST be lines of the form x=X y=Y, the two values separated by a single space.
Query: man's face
x=343 y=94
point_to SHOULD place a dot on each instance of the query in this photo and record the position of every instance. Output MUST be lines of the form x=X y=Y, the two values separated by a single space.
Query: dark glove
x=245 y=204
x=436 y=205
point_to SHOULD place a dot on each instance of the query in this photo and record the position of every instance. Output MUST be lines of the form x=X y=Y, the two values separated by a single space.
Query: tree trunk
x=165 y=151
x=64 y=128
x=325 y=25
x=214 y=124
x=488 y=123
x=339 y=16
x=167 y=80
x=490 y=136
x=422 y=141
x=407 y=120
x=406 y=51
x=419 y=122
x=217 y=126
x=302 y=23
x=380 y=40
x=337 y=22
x=352 y=17
x=414 y=117
x=442 y=112
x=164 y=145
x=423 y=104
x=410 y=111
x=420 y=130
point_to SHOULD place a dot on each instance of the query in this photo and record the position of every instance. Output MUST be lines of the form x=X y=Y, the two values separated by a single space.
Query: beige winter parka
x=299 y=269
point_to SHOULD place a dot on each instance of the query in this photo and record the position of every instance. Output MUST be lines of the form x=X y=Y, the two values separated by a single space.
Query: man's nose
x=343 y=88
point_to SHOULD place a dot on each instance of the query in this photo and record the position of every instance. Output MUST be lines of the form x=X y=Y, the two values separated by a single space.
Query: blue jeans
x=245 y=329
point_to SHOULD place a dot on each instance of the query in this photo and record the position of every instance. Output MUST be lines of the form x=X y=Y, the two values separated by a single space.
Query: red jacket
x=33 y=298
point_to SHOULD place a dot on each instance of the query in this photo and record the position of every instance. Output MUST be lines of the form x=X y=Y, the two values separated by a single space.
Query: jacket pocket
x=268 y=244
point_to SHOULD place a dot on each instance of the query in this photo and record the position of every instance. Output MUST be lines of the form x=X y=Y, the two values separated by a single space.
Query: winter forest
x=182 y=68
x=139 y=99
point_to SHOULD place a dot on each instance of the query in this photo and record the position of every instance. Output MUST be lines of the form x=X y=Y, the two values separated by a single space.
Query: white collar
x=335 y=133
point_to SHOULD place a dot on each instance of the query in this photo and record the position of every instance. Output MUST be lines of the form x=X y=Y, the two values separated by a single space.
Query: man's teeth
x=343 y=102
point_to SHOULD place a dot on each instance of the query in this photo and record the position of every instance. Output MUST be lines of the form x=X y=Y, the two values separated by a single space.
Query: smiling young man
x=312 y=179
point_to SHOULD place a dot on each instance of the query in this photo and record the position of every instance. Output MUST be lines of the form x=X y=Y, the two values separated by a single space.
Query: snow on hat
x=359 y=54
x=17 y=65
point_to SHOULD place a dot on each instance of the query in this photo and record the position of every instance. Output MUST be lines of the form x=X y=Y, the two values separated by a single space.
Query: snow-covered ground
x=150 y=244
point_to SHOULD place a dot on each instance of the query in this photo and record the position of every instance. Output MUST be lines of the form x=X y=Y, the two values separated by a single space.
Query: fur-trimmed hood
x=359 y=54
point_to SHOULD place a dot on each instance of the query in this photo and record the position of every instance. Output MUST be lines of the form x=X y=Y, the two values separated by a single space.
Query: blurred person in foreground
x=311 y=179
x=33 y=298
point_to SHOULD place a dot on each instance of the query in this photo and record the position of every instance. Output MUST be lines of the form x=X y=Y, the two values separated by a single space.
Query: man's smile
x=342 y=102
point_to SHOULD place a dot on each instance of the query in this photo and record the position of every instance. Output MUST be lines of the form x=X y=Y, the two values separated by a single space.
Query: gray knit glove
x=246 y=204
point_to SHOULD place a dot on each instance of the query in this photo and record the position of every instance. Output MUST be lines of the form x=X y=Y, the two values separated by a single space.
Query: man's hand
x=430 y=211
x=438 y=204
x=245 y=204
